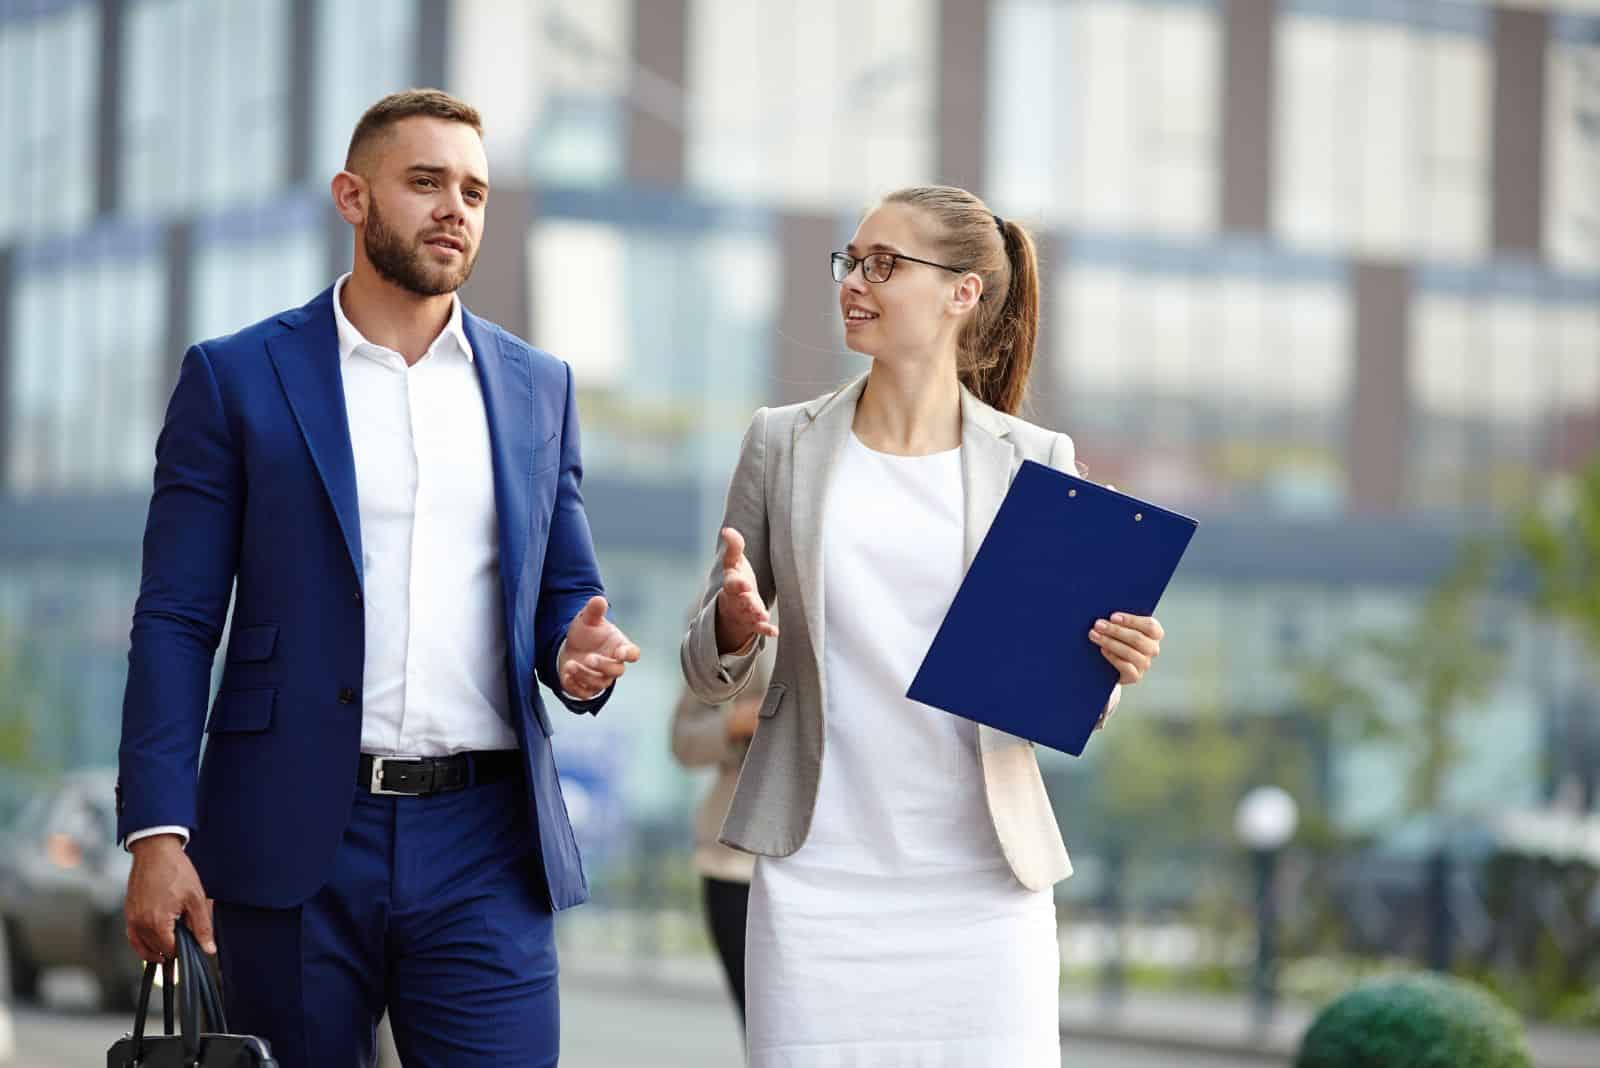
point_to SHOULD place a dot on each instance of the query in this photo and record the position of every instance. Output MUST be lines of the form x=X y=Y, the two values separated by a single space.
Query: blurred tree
x=1562 y=539
x=1442 y=660
x=16 y=706
x=1175 y=782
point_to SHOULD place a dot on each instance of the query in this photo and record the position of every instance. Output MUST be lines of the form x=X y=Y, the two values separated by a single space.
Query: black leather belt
x=420 y=776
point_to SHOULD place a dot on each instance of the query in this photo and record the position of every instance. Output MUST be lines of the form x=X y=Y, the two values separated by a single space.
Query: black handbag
x=192 y=1047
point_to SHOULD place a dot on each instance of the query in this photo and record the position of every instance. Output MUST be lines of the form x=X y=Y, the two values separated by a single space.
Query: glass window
x=49 y=81
x=1572 y=144
x=1208 y=381
x=364 y=49
x=669 y=333
x=1106 y=113
x=1382 y=132
x=1499 y=365
x=587 y=74
x=247 y=267
x=836 y=108
x=206 y=103
x=88 y=371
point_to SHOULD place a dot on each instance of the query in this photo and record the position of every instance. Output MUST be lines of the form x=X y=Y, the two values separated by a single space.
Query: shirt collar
x=350 y=338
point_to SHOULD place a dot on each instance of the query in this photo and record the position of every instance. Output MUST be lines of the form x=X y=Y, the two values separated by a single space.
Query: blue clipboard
x=1013 y=651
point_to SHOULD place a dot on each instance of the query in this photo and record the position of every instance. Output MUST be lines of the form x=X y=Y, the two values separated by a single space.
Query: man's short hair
x=430 y=103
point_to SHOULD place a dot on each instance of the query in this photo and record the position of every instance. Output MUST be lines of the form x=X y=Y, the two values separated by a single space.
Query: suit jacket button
x=347 y=696
x=358 y=596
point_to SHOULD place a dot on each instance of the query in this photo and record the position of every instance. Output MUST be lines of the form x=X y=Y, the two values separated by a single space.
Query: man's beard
x=402 y=264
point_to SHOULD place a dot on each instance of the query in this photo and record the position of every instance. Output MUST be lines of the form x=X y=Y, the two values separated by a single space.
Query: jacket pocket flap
x=252 y=643
x=242 y=711
x=774 y=698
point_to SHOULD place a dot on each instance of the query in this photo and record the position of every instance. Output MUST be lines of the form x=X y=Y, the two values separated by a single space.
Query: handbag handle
x=198 y=994
x=143 y=1012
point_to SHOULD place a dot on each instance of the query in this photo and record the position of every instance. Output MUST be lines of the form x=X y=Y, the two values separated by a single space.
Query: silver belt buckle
x=376 y=785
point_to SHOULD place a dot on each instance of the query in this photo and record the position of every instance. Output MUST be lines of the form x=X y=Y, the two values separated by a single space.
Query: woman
x=717 y=736
x=901 y=910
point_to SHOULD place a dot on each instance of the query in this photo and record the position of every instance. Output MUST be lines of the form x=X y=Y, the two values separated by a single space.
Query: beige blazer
x=700 y=740
x=776 y=501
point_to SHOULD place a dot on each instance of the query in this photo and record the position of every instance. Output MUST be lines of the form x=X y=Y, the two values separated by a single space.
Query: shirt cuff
x=731 y=665
x=560 y=689
x=151 y=832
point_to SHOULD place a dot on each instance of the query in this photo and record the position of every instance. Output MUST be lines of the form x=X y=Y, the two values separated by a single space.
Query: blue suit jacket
x=255 y=485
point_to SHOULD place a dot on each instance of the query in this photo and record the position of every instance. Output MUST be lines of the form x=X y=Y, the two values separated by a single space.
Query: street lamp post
x=1265 y=821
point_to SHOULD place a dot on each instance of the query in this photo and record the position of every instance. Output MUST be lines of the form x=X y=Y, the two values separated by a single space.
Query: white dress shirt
x=434 y=676
x=434 y=680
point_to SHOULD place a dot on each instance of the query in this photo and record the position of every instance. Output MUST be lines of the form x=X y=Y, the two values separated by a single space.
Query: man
x=393 y=484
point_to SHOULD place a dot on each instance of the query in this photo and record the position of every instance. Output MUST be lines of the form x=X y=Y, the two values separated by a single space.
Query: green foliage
x=1177 y=781
x=1565 y=551
x=1441 y=660
x=1415 y=1021
x=17 y=706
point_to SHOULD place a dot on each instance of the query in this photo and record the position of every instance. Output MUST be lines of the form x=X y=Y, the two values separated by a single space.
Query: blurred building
x=1325 y=273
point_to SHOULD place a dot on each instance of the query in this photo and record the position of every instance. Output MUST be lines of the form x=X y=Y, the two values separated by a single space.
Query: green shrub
x=1415 y=1021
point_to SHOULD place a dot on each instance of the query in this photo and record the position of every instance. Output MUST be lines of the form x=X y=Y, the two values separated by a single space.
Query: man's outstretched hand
x=596 y=653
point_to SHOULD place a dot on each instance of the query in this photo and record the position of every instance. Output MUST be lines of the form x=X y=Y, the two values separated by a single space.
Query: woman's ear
x=968 y=291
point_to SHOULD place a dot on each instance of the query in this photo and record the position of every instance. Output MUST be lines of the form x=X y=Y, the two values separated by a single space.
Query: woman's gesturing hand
x=741 y=613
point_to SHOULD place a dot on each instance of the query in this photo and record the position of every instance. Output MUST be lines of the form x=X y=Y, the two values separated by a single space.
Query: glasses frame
x=852 y=262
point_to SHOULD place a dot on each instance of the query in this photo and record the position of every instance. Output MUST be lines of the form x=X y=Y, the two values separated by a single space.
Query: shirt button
x=347 y=696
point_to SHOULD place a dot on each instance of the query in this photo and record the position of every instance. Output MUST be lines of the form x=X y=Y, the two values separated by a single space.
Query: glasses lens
x=842 y=266
x=878 y=267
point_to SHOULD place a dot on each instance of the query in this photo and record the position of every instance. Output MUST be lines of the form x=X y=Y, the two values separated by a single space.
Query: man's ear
x=350 y=192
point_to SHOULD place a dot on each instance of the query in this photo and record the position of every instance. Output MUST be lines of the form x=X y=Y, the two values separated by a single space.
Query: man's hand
x=741 y=614
x=596 y=653
x=163 y=886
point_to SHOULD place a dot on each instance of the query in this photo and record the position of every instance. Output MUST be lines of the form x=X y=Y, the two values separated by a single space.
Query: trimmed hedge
x=1415 y=1021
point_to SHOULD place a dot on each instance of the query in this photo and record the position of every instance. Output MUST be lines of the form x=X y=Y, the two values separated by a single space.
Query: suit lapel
x=817 y=443
x=507 y=384
x=306 y=359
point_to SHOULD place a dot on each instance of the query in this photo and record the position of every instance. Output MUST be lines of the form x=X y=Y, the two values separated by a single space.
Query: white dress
x=896 y=936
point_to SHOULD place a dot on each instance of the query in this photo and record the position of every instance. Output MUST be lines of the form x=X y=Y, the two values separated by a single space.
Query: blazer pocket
x=242 y=711
x=774 y=698
x=248 y=644
x=548 y=454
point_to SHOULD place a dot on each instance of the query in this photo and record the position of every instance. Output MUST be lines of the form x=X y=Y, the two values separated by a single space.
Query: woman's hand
x=741 y=614
x=1130 y=643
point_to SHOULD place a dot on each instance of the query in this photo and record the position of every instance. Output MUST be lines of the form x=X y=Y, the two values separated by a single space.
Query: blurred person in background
x=389 y=487
x=901 y=908
x=718 y=736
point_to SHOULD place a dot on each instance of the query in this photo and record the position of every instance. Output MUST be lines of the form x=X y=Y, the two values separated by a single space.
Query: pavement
x=602 y=1027
x=675 y=1014
x=1184 y=1026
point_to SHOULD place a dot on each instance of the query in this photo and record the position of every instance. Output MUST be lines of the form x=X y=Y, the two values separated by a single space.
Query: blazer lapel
x=816 y=447
x=507 y=385
x=987 y=464
x=307 y=363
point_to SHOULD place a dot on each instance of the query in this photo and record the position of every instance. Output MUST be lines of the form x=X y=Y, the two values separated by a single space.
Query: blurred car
x=62 y=878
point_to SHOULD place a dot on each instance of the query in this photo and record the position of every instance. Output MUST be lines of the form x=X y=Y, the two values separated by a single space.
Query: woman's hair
x=995 y=348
